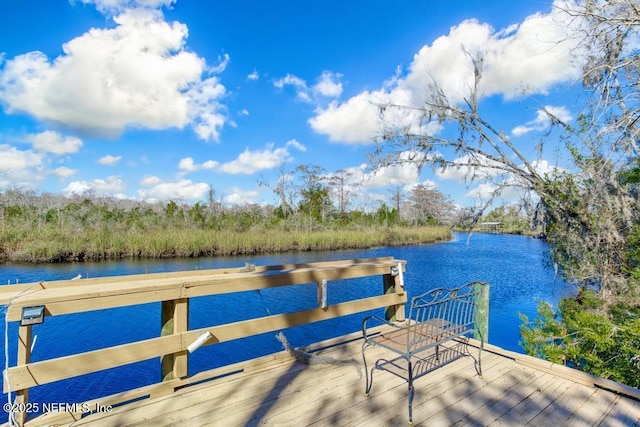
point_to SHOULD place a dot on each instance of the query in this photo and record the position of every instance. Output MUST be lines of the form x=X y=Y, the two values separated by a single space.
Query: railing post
x=175 y=320
x=481 y=314
x=322 y=295
x=25 y=340
x=394 y=283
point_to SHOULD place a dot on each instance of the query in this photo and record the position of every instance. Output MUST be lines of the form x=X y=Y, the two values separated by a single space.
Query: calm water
x=515 y=266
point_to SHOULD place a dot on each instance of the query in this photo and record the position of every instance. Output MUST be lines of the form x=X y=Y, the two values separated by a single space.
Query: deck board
x=533 y=400
x=496 y=396
x=283 y=392
x=562 y=408
x=435 y=395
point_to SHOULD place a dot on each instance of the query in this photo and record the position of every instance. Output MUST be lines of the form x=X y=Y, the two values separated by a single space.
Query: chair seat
x=417 y=336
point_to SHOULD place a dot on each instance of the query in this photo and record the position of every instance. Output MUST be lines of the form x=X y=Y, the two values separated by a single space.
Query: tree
x=341 y=186
x=608 y=31
x=214 y=205
x=174 y=213
x=386 y=216
x=283 y=189
x=431 y=205
x=567 y=197
x=198 y=214
x=587 y=334
x=396 y=194
x=314 y=194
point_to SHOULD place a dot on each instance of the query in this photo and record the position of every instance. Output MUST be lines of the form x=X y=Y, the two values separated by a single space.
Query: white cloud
x=12 y=159
x=534 y=56
x=529 y=57
x=184 y=189
x=137 y=74
x=23 y=178
x=24 y=168
x=251 y=161
x=328 y=85
x=253 y=76
x=150 y=180
x=511 y=191
x=241 y=197
x=223 y=61
x=188 y=165
x=290 y=80
x=482 y=191
x=210 y=164
x=354 y=121
x=543 y=167
x=109 y=160
x=53 y=142
x=300 y=86
x=542 y=120
x=295 y=144
x=111 y=186
x=406 y=173
x=64 y=172
x=402 y=173
x=359 y=120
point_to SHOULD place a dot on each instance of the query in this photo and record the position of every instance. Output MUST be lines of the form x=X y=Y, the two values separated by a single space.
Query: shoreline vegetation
x=51 y=246
x=49 y=228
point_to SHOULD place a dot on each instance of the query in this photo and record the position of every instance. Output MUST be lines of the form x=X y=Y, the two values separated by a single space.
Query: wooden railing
x=174 y=291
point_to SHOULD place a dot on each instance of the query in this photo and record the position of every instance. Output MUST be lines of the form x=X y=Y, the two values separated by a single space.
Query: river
x=516 y=267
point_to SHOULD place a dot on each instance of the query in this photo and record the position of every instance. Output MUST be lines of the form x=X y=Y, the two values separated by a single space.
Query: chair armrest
x=381 y=321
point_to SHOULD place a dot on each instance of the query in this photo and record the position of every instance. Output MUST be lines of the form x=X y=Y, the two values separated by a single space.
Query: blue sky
x=160 y=99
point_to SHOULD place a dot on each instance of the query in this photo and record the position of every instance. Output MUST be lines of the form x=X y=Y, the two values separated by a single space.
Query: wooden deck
x=277 y=391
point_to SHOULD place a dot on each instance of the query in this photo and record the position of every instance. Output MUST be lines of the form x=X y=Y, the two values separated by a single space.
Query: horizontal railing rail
x=174 y=291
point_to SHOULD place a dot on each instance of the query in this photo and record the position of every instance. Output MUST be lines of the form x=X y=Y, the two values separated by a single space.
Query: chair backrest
x=441 y=314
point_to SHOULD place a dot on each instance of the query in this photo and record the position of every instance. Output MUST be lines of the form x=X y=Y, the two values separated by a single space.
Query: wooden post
x=394 y=283
x=25 y=340
x=322 y=295
x=481 y=315
x=175 y=319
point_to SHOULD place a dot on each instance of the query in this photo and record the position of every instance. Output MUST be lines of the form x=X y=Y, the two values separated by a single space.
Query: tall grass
x=51 y=244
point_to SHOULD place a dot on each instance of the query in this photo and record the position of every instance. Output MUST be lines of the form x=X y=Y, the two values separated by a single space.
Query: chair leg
x=480 y=357
x=368 y=377
x=411 y=390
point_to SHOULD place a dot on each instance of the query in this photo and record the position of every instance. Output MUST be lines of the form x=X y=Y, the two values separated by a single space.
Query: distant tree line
x=315 y=200
x=309 y=191
x=42 y=226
